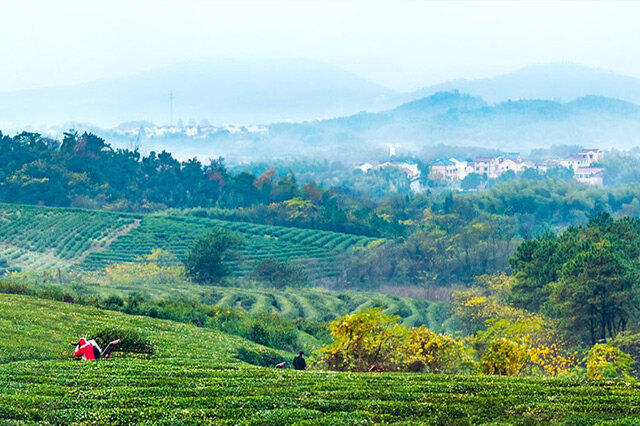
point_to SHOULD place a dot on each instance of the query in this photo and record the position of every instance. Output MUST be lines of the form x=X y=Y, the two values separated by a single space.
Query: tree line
x=85 y=171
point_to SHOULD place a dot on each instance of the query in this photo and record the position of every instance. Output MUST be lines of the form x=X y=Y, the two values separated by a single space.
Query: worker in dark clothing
x=299 y=363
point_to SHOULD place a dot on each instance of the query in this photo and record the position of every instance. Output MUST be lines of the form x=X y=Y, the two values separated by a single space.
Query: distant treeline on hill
x=85 y=171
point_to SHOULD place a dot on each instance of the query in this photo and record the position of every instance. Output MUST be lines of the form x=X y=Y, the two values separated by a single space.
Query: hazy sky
x=402 y=45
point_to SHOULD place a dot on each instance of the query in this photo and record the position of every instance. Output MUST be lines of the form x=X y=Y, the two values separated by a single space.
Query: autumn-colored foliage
x=607 y=361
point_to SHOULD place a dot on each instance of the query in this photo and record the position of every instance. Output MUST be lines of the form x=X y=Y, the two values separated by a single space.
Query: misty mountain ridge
x=445 y=118
x=221 y=91
x=262 y=91
x=555 y=81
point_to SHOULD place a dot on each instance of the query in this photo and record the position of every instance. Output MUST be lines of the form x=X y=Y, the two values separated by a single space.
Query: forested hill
x=84 y=171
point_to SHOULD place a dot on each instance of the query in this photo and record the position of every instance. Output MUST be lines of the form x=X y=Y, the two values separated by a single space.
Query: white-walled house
x=462 y=168
x=445 y=169
x=590 y=175
x=484 y=165
x=410 y=169
x=515 y=165
x=591 y=155
x=574 y=162
x=365 y=167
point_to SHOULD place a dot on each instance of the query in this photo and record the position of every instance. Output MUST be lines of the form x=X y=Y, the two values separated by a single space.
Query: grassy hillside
x=32 y=328
x=33 y=237
x=194 y=379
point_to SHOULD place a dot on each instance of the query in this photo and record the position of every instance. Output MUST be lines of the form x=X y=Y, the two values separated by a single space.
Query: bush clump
x=279 y=274
x=607 y=362
x=131 y=341
x=261 y=358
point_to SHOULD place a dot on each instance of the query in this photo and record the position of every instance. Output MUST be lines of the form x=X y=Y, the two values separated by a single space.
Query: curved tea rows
x=317 y=251
x=321 y=305
x=34 y=237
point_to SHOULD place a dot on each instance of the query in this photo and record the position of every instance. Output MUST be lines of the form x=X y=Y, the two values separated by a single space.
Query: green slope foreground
x=32 y=328
x=181 y=386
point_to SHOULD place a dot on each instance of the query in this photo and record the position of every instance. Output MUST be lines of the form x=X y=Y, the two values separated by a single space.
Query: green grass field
x=196 y=378
x=33 y=237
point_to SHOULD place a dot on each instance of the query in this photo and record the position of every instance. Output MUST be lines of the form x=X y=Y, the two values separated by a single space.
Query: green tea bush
x=131 y=341
x=261 y=358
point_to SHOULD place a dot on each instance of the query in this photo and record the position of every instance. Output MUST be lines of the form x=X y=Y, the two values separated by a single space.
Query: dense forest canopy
x=586 y=277
x=85 y=171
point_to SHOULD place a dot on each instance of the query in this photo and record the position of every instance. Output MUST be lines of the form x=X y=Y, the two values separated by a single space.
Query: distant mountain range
x=460 y=119
x=445 y=118
x=554 y=81
x=261 y=91
x=222 y=92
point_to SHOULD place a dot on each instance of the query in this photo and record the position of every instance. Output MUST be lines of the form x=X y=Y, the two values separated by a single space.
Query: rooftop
x=443 y=163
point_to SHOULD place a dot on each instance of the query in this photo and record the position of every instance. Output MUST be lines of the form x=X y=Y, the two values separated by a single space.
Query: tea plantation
x=196 y=378
x=33 y=237
x=315 y=304
x=319 y=305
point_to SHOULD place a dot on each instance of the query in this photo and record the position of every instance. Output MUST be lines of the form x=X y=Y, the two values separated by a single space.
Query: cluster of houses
x=200 y=130
x=454 y=170
x=410 y=169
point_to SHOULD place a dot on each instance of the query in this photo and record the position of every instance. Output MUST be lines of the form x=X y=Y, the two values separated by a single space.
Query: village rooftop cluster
x=454 y=171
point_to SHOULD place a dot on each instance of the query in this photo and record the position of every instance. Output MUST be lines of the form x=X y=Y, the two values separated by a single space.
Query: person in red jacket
x=85 y=349
x=90 y=349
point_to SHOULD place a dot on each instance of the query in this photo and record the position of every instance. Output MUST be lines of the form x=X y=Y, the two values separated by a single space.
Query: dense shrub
x=206 y=261
x=11 y=287
x=431 y=352
x=259 y=357
x=266 y=329
x=278 y=273
x=629 y=342
x=504 y=357
x=131 y=341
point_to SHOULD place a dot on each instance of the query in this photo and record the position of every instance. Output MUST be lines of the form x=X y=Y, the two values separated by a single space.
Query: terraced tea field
x=34 y=237
x=196 y=379
x=319 y=305
x=312 y=303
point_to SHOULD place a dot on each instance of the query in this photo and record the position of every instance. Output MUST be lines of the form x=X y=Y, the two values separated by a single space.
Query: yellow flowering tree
x=504 y=357
x=365 y=341
x=435 y=353
x=535 y=348
x=606 y=362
